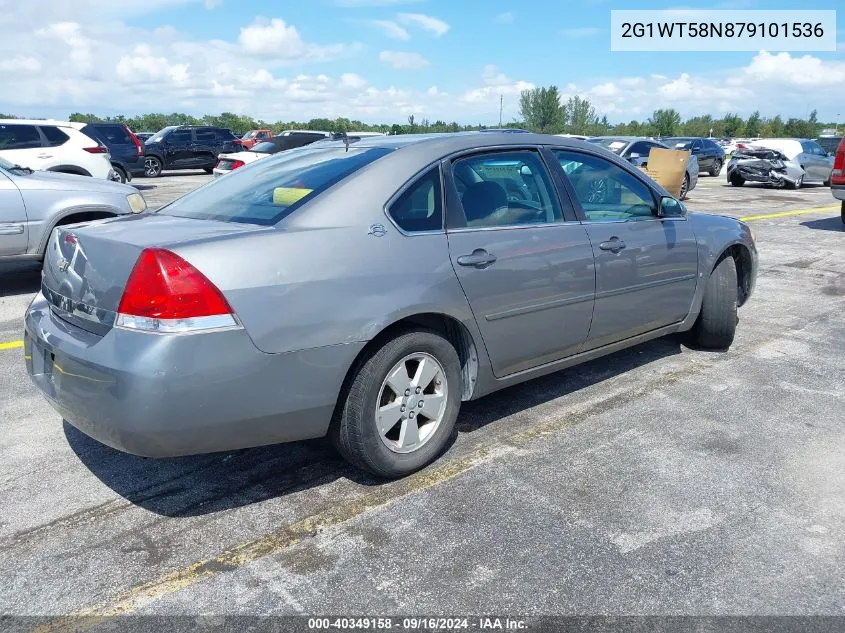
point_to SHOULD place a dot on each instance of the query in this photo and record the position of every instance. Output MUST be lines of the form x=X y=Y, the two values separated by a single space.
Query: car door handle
x=479 y=259
x=45 y=156
x=614 y=245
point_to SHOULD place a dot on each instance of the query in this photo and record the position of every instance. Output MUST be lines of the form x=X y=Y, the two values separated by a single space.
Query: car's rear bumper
x=838 y=191
x=168 y=395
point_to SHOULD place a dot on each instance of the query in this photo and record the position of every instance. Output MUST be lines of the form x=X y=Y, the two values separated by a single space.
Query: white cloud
x=212 y=4
x=434 y=91
x=585 y=31
x=20 y=64
x=784 y=69
x=353 y=81
x=273 y=37
x=403 y=60
x=390 y=29
x=505 y=18
x=496 y=83
x=426 y=22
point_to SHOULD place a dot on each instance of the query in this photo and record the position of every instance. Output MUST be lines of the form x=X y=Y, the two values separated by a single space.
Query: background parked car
x=286 y=140
x=33 y=202
x=837 y=176
x=125 y=149
x=255 y=136
x=54 y=146
x=809 y=155
x=144 y=136
x=187 y=147
x=635 y=150
x=829 y=144
x=710 y=155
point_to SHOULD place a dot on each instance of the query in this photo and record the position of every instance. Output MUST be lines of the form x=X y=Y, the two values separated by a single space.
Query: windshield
x=613 y=144
x=265 y=148
x=249 y=135
x=268 y=190
x=155 y=138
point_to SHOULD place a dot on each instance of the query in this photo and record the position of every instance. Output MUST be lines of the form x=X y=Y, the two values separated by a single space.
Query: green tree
x=580 y=115
x=754 y=124
x=800 y=128
x=665 y=122
x=79 y=117
x=541 y=110
x=698 y=126
x=733 y=125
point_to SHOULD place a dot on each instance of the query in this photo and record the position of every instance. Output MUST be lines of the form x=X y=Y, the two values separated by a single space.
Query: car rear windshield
x=265 y=147
x=268 y=190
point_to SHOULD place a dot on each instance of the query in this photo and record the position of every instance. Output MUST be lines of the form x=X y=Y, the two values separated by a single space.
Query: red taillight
x=163 y=286
x=236 y=163
x=97 y=149
x=837 y=177
x=137 y=142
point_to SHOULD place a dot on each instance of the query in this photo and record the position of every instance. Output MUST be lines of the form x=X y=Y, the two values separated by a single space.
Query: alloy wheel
x=411 y=403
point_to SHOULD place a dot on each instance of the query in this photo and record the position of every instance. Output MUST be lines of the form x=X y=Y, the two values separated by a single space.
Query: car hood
x=54 y=181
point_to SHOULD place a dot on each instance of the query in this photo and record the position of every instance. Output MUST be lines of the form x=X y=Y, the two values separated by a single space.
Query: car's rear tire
x=152 y=167
x=393 y=382
x=736 y=180
x=120 y=173
x=716 y=169
x=208 y=170
x=827 y=182
x=842 y=212
x=716 y=324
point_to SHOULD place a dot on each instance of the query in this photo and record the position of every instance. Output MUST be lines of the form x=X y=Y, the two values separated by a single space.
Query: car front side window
x=606 y=192
x=508 y=188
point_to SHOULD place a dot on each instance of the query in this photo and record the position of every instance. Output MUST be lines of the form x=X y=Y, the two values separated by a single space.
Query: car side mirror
x=525 y=170
x=669 y=207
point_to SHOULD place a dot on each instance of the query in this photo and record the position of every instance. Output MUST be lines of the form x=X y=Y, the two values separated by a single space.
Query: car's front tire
x=736 y=180
x=716 y=324
x=208 y=170
x=400 y=406
x=152 y=167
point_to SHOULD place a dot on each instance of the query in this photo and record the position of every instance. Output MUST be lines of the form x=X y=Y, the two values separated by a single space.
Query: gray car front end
x=313 y=297
x=32 y=203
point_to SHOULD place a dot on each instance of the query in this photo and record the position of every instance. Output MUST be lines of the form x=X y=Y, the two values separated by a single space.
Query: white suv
x=54 y=146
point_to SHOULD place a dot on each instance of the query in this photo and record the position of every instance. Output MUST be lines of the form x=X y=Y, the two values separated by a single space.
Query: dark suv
x=710 y=155
x=187 y=147
x=126 y=149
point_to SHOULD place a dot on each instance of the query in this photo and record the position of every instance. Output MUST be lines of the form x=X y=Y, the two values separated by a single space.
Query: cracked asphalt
x=657 y=481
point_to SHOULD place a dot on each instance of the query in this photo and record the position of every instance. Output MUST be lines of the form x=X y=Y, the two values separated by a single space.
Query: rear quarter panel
x=322 y=278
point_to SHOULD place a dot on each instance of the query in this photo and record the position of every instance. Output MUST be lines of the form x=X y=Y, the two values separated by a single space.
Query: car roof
x=53 y=122
x=449 y=142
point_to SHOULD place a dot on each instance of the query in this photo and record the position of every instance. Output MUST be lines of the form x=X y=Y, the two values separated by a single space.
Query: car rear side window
x=14 y=136
x=606 y=192
x=269 y=190
x=55 y=136
x=205 y=136
x=223 y=135
x=420 y=207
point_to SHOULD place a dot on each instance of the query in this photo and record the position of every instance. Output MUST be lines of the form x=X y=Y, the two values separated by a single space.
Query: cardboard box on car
x=668 y=168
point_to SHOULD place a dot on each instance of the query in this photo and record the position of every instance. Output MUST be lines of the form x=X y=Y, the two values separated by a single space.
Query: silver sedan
x=365 y=288
x=32 y=203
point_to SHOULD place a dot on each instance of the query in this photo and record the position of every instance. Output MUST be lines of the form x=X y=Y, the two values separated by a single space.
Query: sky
x=383 y=60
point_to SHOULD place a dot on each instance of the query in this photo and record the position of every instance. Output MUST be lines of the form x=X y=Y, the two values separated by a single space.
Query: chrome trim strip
x=11 y=229
x=644 y=286
x=548 y=305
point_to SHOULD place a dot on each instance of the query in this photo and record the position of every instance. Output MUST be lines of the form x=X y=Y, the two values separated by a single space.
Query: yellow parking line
x=783 y=214
x=11 y=345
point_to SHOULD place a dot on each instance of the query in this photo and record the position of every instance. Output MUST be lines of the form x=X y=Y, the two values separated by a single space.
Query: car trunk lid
x=86 y=267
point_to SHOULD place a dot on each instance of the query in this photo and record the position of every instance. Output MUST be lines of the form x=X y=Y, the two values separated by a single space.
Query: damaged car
x=768 y=166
